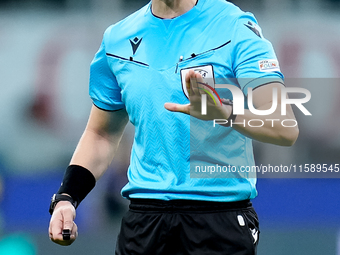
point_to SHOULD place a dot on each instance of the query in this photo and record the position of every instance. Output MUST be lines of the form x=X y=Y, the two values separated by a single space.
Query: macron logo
x=135 y=44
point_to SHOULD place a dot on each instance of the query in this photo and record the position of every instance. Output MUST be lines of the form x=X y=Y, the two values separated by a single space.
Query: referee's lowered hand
x=196 y=88
x=62 y=221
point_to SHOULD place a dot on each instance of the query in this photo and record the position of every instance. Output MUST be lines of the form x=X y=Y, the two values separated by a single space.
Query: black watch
x=59 y=197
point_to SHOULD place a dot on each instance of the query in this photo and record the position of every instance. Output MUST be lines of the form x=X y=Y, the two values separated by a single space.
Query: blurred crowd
x=46 y=47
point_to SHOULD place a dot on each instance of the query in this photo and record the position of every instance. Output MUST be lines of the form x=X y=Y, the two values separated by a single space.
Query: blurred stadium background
x=46 y=47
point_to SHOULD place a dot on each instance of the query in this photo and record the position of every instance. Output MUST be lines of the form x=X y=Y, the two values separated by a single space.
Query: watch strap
x=60 y=197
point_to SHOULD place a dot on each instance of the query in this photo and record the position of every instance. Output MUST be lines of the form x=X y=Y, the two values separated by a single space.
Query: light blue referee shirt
x=138 y=68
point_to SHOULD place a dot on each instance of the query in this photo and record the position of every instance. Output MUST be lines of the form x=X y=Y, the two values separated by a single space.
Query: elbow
x=289 y=136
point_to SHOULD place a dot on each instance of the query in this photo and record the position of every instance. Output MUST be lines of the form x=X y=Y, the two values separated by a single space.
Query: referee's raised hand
x=62 y=229
x=196 y=87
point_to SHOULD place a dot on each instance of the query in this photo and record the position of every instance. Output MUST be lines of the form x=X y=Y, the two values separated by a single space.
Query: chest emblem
x=207 y=73
x=135 y=44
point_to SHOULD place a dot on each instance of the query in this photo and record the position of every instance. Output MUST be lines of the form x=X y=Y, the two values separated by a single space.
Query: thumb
x=184 y=108
x=68 y=217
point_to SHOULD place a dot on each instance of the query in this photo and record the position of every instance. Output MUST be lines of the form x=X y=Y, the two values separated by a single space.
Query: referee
x=153 y=68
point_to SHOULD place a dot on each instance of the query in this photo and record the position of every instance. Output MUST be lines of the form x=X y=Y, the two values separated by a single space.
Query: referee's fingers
x=184 y=108
x=65 y=239
x=56 y=226
x=69 y=236
x=62 y=229
x=68 y=217
x=189 y=79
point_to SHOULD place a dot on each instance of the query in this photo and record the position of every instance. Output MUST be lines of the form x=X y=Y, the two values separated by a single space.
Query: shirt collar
x=180 y=20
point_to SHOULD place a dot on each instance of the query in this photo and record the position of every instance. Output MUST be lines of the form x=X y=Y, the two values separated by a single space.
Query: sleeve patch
x=269 y=65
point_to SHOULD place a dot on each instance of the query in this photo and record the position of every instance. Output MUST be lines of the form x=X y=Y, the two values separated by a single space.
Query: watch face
x=52 y=205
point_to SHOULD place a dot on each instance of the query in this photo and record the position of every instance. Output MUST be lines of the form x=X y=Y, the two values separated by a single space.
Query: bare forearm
x=268 y=129
x=100 y=140
x=94 y=152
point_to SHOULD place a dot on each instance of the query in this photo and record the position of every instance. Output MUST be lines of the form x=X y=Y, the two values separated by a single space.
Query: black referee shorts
x=185 y=227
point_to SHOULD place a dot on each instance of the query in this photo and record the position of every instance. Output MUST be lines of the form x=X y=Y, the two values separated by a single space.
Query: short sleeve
x=254 y=60
x=104 y=90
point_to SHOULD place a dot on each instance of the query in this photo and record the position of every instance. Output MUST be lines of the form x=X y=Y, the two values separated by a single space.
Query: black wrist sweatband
x=77 y=182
